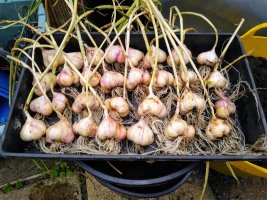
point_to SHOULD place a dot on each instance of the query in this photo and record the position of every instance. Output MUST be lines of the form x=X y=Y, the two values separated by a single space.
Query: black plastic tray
x=252 y=123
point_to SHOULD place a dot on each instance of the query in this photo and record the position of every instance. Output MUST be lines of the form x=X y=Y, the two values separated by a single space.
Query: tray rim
x=141 y=157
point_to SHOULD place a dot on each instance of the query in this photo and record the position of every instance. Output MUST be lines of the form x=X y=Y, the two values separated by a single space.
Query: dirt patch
x=56 y=191
x=259 y=70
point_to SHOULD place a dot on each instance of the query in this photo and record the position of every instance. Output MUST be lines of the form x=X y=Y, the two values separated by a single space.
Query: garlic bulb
x=80 y=102
x=175 y=127
x=190 y=132
x=33 y=129
x=76 y=59
x=67 y=77
x=111 y=80
x=59 y=101
x=45 y=83
x=91 y=52
x=224 y=107
x=149 y=58
x=110 y=129
x=119 y=105
x=189 y=101
x=192 y=76
x=60 y=132
x=208 y=58
x=140 y=133
x=135 y=56
x=85 y=127
x=176 y=57
x=136 y=77
x=41 y=105
x=178 y=127
x=48 y=55
x=180 y=83
x=94 y=80
x=217 y=80
x=115 y=55
x=152 y=106
x=217 y=128
x=163 y=79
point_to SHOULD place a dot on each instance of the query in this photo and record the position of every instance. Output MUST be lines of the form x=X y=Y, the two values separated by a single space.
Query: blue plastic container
x=4 y=106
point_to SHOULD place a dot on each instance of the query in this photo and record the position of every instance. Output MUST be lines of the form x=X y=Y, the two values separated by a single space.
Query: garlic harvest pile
x=111 y=94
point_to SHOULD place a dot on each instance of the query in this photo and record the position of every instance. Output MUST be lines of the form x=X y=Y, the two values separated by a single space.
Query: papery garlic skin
x=140 y=133
x=217 y=128
x=189 y=101
x=76 y=59
x=181 y=84
x=85 y=127
x=152 y=105
x=45 y=83
x=190 y=132
x=110 y=129
x=192 y=76
x=111 y=80
x=91 y=52
x=115 y=55
x=175 y=127
x=48 y=56
x=176 y=57
x=119 y=105
x=135 y=56
x=216 y=80
x=60 y=132
x=59 y=101
x=41 y=106
x=137 y=77
x=80 y=102
x=163 y=79
x=208 y=58
x=224 y=107
x=149 y=59
x=33 y=129
x=67 y=77
x=94 y=80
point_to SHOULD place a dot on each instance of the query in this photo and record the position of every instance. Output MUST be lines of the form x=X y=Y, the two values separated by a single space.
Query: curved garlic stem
x=181 y=23
x=229 y=42
x=157 y=49
x=184 y=68
x=173 y=67
x=237 y=59
x=82 y=78
x=208 y=21
x=127 y=44
x=169 y=33
x=37 y=83
x=79 y=37
x=113 y=41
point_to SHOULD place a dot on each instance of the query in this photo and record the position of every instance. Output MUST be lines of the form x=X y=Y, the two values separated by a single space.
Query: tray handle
x=252 y=31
